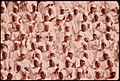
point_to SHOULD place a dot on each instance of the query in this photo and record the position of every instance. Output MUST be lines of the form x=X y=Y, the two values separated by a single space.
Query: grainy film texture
x=59 y=40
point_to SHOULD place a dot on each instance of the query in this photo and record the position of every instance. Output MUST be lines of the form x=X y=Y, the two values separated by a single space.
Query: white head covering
x=3 y=5
x=23 y=31
x=33 y=40
x=37 y=51
x=64 y=72
x=24 y=51
x=16 y=7
x=8 y=32
x=71 y=50
x=17 y=42
x=80 y=70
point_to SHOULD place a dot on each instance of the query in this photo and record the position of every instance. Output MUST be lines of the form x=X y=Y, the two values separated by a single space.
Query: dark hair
x=69 y=17
x=7 y=36
x=97 y=74
x=61 y=11
x=36 y=63
x=83 y=27
x=84 y=17
x=107 y=19
x=85 y=55
x=108 y=28
x=103 y=11
x=70 y=54
x=15 y=10
x=64 y=48
x=75 y=11
x=103 y=45
x=107 y=36
x=49 y=11
x=92 y=9
x=4 y=55
x=66 y=38
x=109 y=63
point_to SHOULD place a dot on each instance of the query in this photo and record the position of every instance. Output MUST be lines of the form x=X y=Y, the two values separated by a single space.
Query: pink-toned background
x=52 y=40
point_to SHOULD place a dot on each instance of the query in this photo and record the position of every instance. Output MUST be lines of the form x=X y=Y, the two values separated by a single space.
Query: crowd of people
x=59 y=40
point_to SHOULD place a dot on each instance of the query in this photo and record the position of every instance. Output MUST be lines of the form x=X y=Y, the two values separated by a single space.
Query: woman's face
x=97 y=75
x=7 y=37
x=61 y=11
x=42 y=74
x=50 y=11
x=75 y=11
x=82 y=63
x=22 y=37
x=109 y=63
x=67 y=63
x=36 y=64
x=46 y=18
x=9 y=76
x=4 y=55
x=15 y=10
x=18 y=68
x=60 y=75
x=79 y=75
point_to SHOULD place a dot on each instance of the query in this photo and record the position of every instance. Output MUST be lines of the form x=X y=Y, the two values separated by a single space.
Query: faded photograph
x=59 y=40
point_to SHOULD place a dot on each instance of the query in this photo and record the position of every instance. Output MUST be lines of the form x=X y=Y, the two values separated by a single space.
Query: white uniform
x=25 y=63
x=4 y=74
x=33 y=73
x=29 y=5
x=14 y=55
x=9 y=44
x=17 y=76
x=90 y=74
